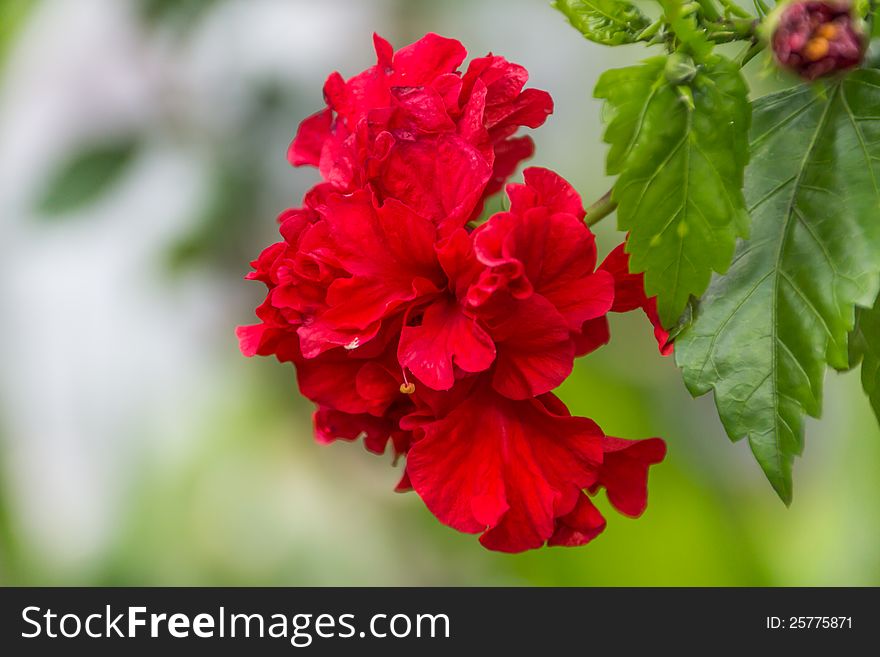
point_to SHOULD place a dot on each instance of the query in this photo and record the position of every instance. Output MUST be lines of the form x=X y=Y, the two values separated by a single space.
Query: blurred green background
x=142 y=163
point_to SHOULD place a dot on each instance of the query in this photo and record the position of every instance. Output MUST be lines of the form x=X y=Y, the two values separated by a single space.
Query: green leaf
x=764 y=332
x=864 y=348
x=690 y=34
x=680 y=151
x=610 y=22
x=85 y=176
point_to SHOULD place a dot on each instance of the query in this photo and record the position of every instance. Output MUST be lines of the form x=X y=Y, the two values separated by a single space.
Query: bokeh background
x=142 y=164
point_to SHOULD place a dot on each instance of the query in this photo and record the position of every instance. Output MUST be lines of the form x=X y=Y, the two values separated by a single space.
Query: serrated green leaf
x=609 y=22
x=691 y=36
x=765 y=331
x=864 y=348
x=86 y=175
x=681 y=158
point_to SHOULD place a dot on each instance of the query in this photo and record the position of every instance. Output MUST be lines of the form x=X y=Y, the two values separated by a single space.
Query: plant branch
x=709 y=10
x=732 y=29
x=600 y=209
x=733 y=9
x=750 y=53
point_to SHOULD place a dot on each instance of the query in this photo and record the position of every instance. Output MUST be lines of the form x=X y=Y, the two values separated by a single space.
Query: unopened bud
x=815 y=38
x=680 y=69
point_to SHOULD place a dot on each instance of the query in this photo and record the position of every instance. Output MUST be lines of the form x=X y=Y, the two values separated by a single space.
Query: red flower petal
x=580 y=526
x=629 y=289
x=545 y=189
x=534 y=351
x=331 y=380
x=418 y=111
x=459 y=262
x=441 y=178
x=624 y=471
x=530 y=109
x=503 y=80
x=445 y=338
x=332 y=425
x=313 y=132
x=508 y=154
x=404 y=485
x=629 y=294
x=389 y=252
x=426 y=59
x=339 y=164
x=507 y=467
x=593 y=335
x=661 y=335
x=273 y=336
x=384 y=52
x=250 y=338
x=542 y=247
x=507 y=106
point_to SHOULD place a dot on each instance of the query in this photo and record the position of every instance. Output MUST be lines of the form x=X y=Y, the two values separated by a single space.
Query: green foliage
x=12 y=15
x=609 y=22
x=864 y=348
x=680 y=150
x=86 y=175
x=765 y=331
x=690 y=36
x=178 y=13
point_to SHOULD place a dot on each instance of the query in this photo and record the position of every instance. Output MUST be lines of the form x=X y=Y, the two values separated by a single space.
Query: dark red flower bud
x=817 y=38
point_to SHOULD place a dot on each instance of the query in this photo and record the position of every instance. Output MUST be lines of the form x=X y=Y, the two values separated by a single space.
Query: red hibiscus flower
x=414 y=111
x=409 y=328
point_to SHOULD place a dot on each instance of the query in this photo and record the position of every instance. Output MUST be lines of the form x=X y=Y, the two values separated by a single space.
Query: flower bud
x=815 y=38
x=680 y=68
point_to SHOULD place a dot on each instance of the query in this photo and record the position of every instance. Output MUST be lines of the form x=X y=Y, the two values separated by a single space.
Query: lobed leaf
x=609 y=22
x=764 y=332
x=680 y=150
x=864 y=348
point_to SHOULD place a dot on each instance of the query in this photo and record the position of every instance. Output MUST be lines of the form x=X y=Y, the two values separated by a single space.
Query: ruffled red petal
x=582 y=525
x=445 y=339
x=624 y=471
x=629 y=294
x=309 y=141
x=535 y=352
x=506 y=468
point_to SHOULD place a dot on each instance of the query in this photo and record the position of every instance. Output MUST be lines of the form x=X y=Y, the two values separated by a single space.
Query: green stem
x=709 y=10
x=750 y=53
x=733 y=9
x=601 y=208
x=732 y=29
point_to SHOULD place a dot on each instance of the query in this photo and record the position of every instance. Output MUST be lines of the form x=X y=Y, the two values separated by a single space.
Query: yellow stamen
x=408 y=388
x=827 y=31
x=816 y=49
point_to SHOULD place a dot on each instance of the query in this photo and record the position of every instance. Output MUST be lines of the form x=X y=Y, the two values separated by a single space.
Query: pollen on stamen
x=828 y=31
x=407 y=387
x=816 y=49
